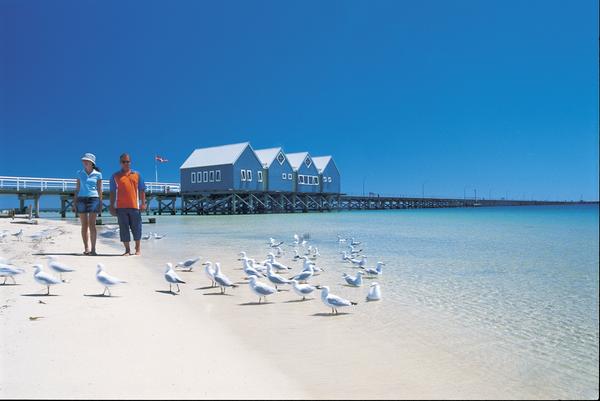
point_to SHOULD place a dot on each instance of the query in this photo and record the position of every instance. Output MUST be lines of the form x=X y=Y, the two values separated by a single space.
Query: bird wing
x=337 y=301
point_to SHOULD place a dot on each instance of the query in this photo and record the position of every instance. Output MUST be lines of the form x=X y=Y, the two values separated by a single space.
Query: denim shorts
x=88 y=204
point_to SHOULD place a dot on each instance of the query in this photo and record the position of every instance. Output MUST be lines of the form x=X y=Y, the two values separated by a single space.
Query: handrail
x=69 y=184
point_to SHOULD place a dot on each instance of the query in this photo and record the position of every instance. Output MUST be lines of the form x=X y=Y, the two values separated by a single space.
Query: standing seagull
x=374 y=293
x=44 y=278
x=188 y=264
x=354 y=281
x=18 y=235
x=260 y=289
x=10 y=271
x=172 y=277
x=302 y=289
x=275 y=278
x=304 y=275
x=222 y=279
x=58 y=267
x=210 y=272
x=333 y=301
x=377 y=271
x=106 y=280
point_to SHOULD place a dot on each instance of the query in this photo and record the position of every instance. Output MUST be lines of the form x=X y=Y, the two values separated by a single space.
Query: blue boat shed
x=329 y=174
x=232 y=167
x=277 y=170
x=306 y=175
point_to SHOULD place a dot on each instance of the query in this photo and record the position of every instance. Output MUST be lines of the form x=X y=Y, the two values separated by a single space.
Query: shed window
x=212 y=176
x=249 y=175
x=259 y=175
x=289 y=176
x=243 y=172
x=218 y=176
x=193 y=178
x=283 y=176
x=205 y=176
x=199 y=177
x=328 y=179
x=301 y=179
x=307 y=161
x=316 y=180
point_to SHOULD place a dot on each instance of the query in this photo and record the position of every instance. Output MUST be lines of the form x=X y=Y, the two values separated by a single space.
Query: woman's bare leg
x=84 y=230
x=93 y=232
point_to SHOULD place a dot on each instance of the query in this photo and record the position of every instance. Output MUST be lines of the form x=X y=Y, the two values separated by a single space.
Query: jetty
x=170 y=200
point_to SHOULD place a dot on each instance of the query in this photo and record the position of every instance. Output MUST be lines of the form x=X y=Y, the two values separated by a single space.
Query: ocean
x=512 y=288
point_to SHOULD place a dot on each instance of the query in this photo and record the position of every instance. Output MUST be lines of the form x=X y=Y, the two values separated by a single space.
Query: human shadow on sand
x=73 y=254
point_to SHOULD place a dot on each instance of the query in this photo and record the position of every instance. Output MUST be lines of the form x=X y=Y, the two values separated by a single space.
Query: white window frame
x=300 y=179
x=243 y=174
x=199 y=177
x=193 y=178
x=205 y=176
x=289 y=176
x=248 y=175
x=211 y=175
x=328 y=179
x=259 y=174
x=283 y=176
x=283 y=159
x=218 y=176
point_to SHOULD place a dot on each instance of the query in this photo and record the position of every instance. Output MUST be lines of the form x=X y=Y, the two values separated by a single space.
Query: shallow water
x=514 y=288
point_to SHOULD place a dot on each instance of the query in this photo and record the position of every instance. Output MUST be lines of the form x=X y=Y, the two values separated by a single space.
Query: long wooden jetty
x=166 y=196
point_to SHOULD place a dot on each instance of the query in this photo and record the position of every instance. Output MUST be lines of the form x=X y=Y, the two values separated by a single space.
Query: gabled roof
x=216 y=155
x=267 y=156
x=296 y=159
x=321 y=162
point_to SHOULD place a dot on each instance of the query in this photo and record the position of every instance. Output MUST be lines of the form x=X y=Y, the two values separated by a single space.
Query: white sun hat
x=89 y=157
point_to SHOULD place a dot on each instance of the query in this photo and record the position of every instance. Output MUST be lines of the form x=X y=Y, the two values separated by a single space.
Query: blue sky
x=501 y=96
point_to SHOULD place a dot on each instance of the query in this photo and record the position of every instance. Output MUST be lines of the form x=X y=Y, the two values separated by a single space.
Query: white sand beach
x=145 y=343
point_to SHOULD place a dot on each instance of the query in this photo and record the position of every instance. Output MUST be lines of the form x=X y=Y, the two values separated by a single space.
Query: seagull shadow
x=327 y=314
x=298 y=300
x=255 y=303
x=101 y=296
x=39 y=295
x=9 y=284
x=208 y=287
x=167 y=292
x=241 y=282
x=218 y=293
x=351 y=286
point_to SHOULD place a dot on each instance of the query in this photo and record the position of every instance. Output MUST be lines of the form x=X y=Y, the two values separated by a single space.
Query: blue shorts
x=88 y=204
x=129 y=219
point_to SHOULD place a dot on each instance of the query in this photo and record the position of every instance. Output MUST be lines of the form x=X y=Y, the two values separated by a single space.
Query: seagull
x=374 y=293
x=106 y=280
x=296 y=255
x=273 y=243
x=146 y=236
x=257 y=266
x=354 y=242
x=359 y=262
x=279 y=251
x=243 y=256
x=110 y=232
x=189 y=264
x=296 y=239
x=315 y=254
x=276 y=265
x=210 y=272
x=275 y=278
x=222 y=279
x=302 y=289
x=304 y=275
x=249 y=270
x=353 y=250
x=44 y=278
x=354 y=281
x=308 y=263
x=261 y=289
x=10 y=271
x=159 y=236
x=333 y=301
x=3 y=235
x=172 y=277
x=58 y=267
x=345 y=256
x=18 y=235
x=340 y=239
x=377 y=271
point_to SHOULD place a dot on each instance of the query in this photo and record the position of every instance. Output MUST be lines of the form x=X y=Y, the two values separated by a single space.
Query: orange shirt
x=127 y=187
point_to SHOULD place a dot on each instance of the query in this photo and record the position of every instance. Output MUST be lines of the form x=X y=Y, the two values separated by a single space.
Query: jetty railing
x=66 y=185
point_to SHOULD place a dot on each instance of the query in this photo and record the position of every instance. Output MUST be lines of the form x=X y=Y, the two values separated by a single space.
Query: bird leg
x=13 y=279
x=48 y=293
x=178 y=287
x=4 y=280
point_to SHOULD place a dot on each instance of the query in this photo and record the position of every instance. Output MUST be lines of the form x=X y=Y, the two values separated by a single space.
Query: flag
x=160 y=159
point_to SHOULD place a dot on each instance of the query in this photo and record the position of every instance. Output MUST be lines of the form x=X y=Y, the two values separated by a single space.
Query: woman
x=88 y=200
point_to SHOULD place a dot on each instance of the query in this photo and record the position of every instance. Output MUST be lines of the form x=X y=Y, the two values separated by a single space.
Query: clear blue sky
x=501 y=96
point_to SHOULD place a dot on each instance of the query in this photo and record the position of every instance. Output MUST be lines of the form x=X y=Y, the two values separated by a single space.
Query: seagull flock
x=263 y=277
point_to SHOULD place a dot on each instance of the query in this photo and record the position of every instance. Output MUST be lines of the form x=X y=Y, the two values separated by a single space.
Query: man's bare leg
x=127 y=249
x=137 y=248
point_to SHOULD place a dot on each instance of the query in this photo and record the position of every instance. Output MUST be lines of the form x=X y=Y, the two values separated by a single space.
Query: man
x=127 y=187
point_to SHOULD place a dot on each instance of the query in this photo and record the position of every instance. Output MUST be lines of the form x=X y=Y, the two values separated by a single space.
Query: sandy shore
x=145 y=343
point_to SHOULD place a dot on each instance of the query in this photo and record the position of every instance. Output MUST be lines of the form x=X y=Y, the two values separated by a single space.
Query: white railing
x=22 y=184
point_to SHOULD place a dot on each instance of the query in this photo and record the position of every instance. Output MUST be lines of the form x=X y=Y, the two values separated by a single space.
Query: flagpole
x=155 y=170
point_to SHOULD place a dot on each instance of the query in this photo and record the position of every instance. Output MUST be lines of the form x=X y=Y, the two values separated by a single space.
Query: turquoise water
x=514 y=287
